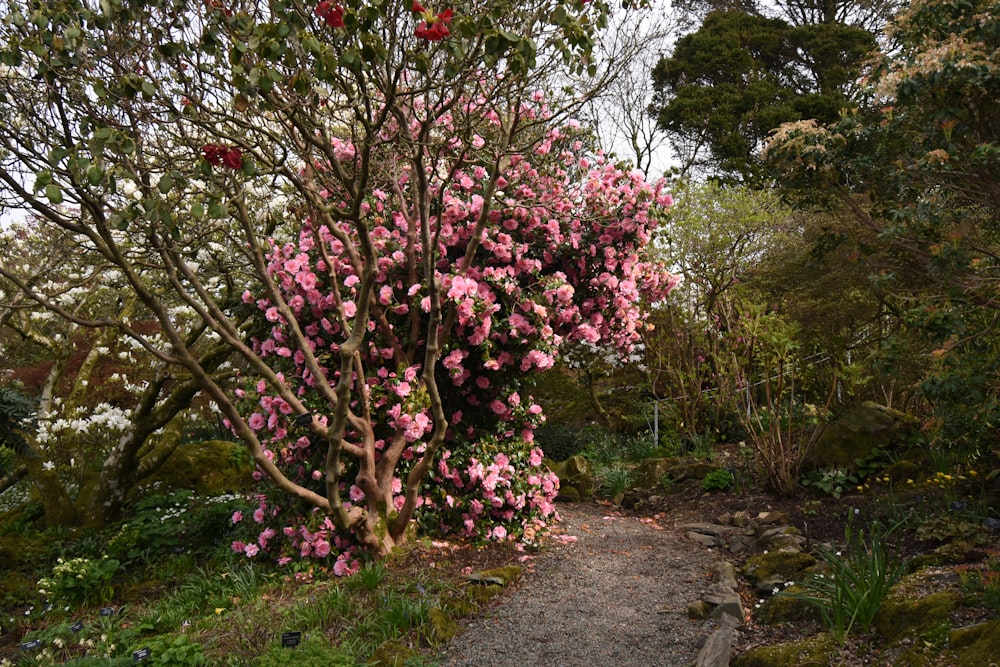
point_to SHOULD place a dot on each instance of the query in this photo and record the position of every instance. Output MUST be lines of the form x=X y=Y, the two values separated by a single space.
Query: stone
x=647 y=475
x=857 y=433
x=776 y=566
x=768 y=518
x=699 y=610
x=706 y=528
x=816 y=651
x=724 y=573
x=716 y=651
x=731 y=606
x=704 y=540
x=901 y=615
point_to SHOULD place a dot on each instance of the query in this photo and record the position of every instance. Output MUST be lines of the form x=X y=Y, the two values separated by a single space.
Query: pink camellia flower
x=251 y=550
x=321 y=549
x=237 y=516
x=258 y=515
x=238 y=546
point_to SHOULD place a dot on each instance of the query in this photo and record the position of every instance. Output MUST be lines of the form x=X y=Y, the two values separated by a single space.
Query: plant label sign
x=107 y=611
x=76 y=627
x=141 y=654
x=31 y=645
x=291 y=639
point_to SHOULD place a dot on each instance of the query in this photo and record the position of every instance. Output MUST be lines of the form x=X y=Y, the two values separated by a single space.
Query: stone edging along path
x=608 y=590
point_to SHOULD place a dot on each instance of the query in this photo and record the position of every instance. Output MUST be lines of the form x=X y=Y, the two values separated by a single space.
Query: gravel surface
x=615 y=595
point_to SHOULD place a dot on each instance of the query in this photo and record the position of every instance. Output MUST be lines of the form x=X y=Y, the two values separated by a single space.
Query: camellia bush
x=412 y=228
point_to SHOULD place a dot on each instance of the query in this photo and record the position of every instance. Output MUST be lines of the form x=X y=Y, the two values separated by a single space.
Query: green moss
x=787 y=608
x=504 y=576
x=785 y=564
x=977 y=645
x=208 y=468
x=442 y=626
x=481 y=594
x=811 y=652
x=902 y=616
x=17 y=588
x=391 y=654
x=457 y=607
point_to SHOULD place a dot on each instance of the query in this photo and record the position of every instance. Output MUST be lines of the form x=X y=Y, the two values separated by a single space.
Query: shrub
x=717 y=480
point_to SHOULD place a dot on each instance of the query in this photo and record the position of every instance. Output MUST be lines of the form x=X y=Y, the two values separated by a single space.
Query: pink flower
x=258 y=515
x=238 y=546
x=251 y=550
x=237 y=516
x=321 y=549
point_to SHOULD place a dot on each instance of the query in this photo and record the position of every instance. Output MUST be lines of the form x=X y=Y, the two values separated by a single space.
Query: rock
x=724 y=573
x=576 y=473
x=731 y=606
x=706 y=528
x=716 y=651
x=857 y=433
x=769 y=518
x=704 y=540
x=814 y=651
x=392 y=653
x=647 y=475
x=902 y=616
x=976 y=645
x=442 y=628
x=568 y=494
x=699 y=610
x=501 y=576
x=786 y=608
x=776 y=566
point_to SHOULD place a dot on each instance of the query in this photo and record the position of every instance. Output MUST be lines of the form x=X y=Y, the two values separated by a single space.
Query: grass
x=226 y=610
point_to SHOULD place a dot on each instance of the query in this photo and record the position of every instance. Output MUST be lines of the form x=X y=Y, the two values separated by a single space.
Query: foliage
x=613 y=480
x=742 y=74
x=80 y=581
x=858 y=578
x=718 y=480
x=174 y=651
x=160 y=525
x=913 y=166
x=559 y=442
x=984 y=582
x=15 y=410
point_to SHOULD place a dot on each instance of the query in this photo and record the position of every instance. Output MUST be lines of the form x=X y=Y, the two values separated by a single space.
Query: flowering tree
x=419 y=228
x=104 y=416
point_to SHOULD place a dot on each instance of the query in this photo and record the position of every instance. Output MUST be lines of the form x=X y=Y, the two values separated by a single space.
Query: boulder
x=574 y=473
x=857 y=433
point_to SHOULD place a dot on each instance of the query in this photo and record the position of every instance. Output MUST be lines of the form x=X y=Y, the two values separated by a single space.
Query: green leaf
x=165 y=184
x=53 y=193
x=94 y=175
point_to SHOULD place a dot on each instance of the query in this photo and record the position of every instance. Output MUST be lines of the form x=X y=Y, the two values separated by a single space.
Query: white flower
x=48 y=465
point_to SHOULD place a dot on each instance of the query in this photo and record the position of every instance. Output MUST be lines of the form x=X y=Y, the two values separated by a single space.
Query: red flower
x=434 y=26
x=218 y=155
x=332 y=13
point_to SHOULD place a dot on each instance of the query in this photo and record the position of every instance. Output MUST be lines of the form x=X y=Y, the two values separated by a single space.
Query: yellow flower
x=973 y=473
x=909 y=481
x=219 y=610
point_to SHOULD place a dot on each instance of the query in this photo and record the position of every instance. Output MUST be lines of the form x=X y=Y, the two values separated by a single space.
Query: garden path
x=608 y=590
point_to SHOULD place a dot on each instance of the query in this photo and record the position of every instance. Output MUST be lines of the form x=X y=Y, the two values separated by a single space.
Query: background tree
x=105 y=416
x=744 y=71
x=915 y=167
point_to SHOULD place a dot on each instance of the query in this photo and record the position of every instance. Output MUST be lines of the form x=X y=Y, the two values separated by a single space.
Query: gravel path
x=616 y=595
